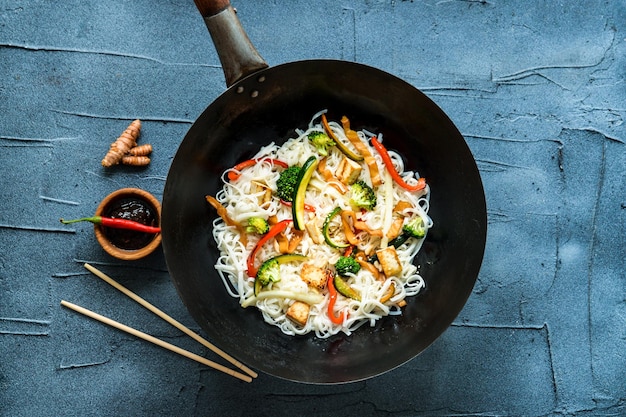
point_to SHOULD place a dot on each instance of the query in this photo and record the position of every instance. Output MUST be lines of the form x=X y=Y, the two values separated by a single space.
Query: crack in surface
x=63 y=367
x=592 y=246
x=20 y=326
x=41 y=48
x=124 y=118
x=26 y=142
x=60 y=201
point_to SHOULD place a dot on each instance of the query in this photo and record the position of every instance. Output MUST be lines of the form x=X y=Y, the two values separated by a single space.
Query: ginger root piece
x=141 y=150
x=138 y=161
x=123 y=144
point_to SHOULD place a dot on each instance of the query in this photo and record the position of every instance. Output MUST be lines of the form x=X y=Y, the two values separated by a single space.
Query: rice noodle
x=241 y=199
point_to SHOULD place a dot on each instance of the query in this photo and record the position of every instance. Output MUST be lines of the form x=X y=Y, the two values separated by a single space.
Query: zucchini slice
x=280 y=259
x=344 y=289
x=342 y=147
x=297 y=206
x=326 y=233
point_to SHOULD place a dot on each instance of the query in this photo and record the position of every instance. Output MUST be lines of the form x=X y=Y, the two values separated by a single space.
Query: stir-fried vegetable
x=364 y=212
x=223 y=213
x=346 y=265
x=307 y=207
x=326 y=230
x=274 y=230
x=330 y=178
x=304 y=177
x=306 y=297
x=421 y=182
x=348 y=218
x=287 y=183
x=344 y=289
x=415 y=227
x=257 y=225
x=370 y=161
x=390 y=292
x=362 y=196
x=331 y=304
x=235 y=173
x=342 y=147
x=269 y=271
x=398 y=219
x=321 y=141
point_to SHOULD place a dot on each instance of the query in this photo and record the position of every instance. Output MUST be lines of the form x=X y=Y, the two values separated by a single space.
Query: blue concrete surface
x=537 y=88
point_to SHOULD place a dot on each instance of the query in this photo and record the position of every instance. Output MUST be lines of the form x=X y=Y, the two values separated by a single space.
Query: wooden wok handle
x=209 y=8
x=238 y=56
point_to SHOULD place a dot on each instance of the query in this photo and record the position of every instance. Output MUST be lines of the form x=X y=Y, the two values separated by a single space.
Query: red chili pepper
x=234 y=174
x=331 y=304
x=116 y=224
x=274 y=230
x=421 y=183
x=307 y=207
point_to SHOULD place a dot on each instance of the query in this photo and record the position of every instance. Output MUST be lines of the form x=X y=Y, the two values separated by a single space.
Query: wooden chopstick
x=154 y=340
x=169 y=319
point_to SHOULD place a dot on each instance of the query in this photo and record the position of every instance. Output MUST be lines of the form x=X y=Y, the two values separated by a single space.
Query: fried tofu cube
x=314 y=231
x=389 y=260
x=314 y=276
x=348 y=171
x=298 y=312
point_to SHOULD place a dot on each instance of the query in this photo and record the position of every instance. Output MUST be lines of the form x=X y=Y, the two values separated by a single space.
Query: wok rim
x=481 y=200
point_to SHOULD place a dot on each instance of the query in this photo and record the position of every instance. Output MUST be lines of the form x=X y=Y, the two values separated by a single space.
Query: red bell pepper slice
x=274 y=230
x=421 y=182
x=307 y=207
x=236 y=170
x=331 y=304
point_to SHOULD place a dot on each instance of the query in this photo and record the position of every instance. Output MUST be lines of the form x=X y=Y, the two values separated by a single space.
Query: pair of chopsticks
x=249 y=373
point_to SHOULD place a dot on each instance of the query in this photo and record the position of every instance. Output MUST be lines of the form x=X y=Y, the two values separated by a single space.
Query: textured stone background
x=537 y=88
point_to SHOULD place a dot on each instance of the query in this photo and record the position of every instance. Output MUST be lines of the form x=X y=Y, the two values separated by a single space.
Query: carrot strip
x=295 y=240
x=361 y=225
x=221 y=211
x=283 y=242
x=366 y=265
x=398 y=219
x=346 y=216
x=349 y=215
x=363 y=150
x=330 y=178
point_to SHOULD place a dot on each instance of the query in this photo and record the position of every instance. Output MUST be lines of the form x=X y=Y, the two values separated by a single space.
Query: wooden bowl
x=116 y=251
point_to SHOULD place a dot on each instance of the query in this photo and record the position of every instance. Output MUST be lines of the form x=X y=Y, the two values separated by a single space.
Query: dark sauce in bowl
x=130 y=209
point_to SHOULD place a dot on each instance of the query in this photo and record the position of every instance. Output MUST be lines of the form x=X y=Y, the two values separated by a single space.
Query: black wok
x=267 y=104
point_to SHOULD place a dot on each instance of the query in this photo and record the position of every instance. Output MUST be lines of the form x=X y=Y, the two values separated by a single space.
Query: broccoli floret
x=347 y=265
x=257 y=225
x=321 y=141
x=269 y=271
x=287 y=182
x=415 y=227
x=362 y=195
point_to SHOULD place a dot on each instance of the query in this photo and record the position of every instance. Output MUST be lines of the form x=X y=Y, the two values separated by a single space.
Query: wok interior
x=268 y=106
